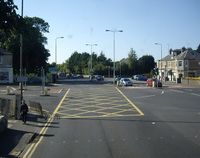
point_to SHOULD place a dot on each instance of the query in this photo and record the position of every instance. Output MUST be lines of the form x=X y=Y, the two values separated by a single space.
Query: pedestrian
x=24 y=111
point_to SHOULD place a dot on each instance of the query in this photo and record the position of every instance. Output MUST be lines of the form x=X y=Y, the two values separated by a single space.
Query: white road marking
x=147 y=96
x=195 y=94
x=188 y=92
x=178 y=91
x=60 y=90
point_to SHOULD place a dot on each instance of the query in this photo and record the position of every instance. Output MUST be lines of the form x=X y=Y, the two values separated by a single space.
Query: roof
x=187 y=54
x=168 y=57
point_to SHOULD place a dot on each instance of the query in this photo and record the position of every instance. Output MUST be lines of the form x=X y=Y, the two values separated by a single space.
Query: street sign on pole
x=22 y=79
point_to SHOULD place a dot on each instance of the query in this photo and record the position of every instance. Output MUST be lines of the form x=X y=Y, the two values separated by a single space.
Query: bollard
x=8 y=90
x=153 y=84
x=45 y=91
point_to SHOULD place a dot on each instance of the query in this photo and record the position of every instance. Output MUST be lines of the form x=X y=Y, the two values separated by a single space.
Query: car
x=99 y=77
x=142 y=78
x=139 y=77
x=80 y=76
x=126 y=82
x=157 y=83
x=135 y=77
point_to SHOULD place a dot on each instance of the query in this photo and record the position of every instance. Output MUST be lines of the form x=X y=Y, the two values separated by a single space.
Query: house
x=180 y=63
x=6 y=69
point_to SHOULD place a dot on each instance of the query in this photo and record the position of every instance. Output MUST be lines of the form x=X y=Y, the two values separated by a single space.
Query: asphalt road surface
x=101 y=121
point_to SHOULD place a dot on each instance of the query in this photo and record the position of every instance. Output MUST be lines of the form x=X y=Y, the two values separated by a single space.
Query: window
x=186 y=63
x=169 y=63
x=180 y=63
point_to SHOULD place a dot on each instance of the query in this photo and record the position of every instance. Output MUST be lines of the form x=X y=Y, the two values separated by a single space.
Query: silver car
x=126 y=82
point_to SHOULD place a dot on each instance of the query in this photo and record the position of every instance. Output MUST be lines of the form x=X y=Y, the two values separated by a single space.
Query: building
x=6 y=69
x=180 y=63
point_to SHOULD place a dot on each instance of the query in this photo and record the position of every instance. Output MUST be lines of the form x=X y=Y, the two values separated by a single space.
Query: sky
x=173 y=23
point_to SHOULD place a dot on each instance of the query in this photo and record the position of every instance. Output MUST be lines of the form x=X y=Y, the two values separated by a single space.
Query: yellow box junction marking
x=97 y=103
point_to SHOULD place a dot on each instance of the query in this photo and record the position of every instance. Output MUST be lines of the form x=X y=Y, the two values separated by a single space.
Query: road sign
x=22 y=79
x=53 y=70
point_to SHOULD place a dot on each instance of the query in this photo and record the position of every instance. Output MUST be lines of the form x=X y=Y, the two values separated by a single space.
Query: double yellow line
x=33 y=146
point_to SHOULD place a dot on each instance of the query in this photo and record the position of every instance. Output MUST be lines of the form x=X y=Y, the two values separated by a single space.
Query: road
x=101 y=121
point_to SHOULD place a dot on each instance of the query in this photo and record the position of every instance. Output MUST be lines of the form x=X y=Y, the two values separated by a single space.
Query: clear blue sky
x=174 y=23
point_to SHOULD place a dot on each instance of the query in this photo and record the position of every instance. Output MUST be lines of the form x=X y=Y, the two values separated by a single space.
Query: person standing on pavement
x=24 y=111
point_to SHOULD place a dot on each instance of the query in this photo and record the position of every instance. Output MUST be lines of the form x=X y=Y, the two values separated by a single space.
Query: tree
x=8 y=15
x=35 y=55
x=132 y=61
x=146 y=63
x=78 y=63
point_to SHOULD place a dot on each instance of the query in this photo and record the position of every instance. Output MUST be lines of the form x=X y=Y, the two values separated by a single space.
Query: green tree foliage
x=35 y=55
x=132 y=61
x=8 y=15
x=146 y=63
x=78 y=63
x=62 y=67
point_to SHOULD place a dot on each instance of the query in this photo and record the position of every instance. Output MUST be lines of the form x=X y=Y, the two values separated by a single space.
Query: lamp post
x=21 y=58
x=56 y=48
x=160 y=44
x=91 y=46
x=114 y=31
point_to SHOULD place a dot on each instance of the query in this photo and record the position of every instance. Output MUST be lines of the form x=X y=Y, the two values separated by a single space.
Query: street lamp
x=114 y=31
x=160 y=44
x=91 y=45
x=56 y=48
x=21 y=58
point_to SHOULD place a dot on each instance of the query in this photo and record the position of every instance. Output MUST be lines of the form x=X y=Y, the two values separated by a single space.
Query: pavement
x=18 y=135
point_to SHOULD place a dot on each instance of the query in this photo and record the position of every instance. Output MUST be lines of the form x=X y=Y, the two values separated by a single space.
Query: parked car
x=126 y=82
x=139 y=77
x=99 y=77
x=135 y=77
x=150 y=81
x=80 y=76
